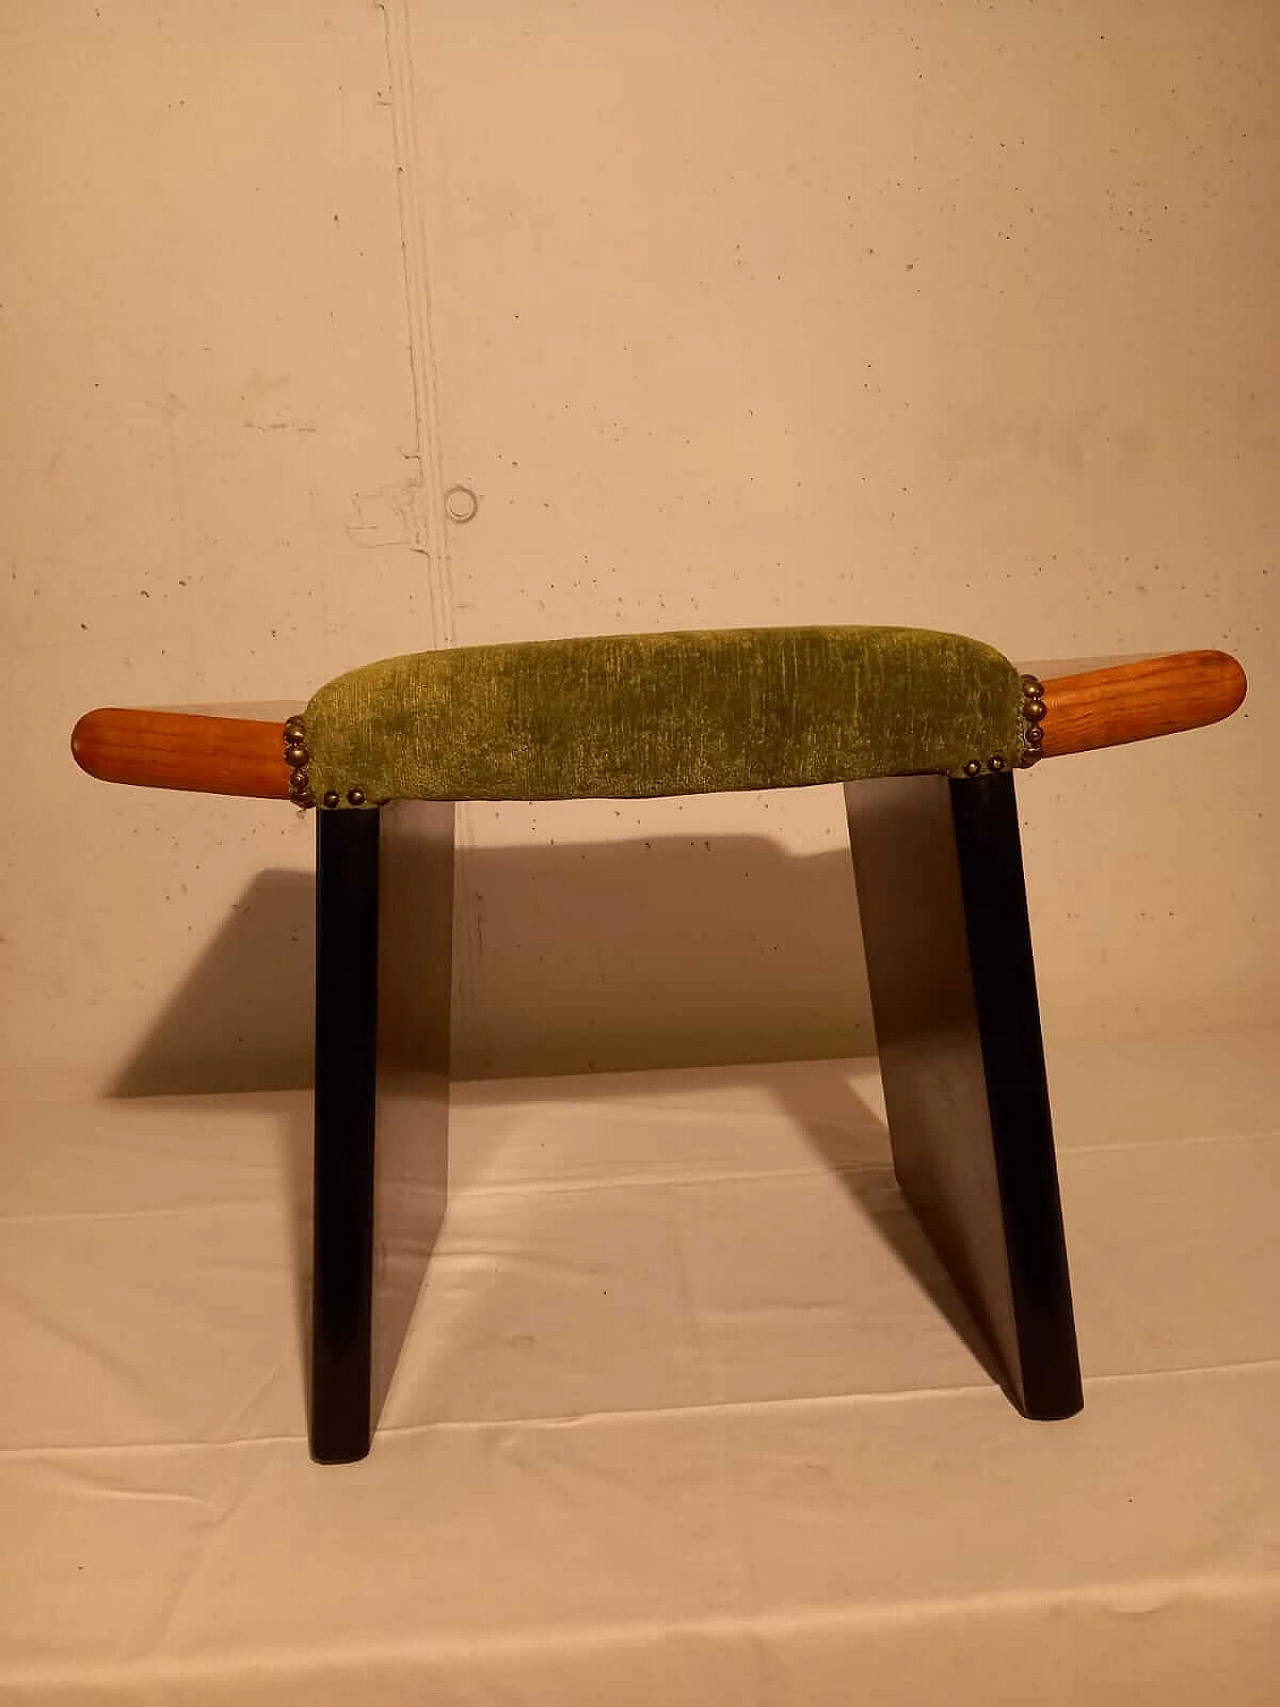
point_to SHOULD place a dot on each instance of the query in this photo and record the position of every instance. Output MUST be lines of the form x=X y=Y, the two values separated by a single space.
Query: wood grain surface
x=1106 y=706
x=183 y=749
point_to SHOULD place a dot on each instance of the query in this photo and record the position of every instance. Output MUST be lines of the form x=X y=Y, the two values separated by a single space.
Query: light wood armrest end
x=191 y=750
x=1108 y=705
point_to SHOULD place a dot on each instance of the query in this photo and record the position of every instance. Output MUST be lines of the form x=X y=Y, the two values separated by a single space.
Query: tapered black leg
x=948 y=943
x=384 y=905
x=346 y=1076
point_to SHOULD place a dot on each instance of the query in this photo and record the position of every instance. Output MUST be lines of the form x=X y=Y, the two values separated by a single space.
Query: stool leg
x=384 y=910
x=948 y=943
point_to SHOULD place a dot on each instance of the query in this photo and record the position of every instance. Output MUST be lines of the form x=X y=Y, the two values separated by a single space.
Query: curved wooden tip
x=1106 y=707
x=182 y=749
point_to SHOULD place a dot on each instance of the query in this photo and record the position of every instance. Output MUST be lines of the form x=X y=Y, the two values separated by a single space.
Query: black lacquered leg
x=384 y=907
x=948 y=944
x=345 y=1127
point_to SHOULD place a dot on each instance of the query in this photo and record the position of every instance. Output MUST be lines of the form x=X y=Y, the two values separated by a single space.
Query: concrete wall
x=945 y=314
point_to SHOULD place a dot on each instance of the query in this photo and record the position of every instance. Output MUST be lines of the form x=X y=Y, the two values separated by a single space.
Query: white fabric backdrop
x=676 y=1419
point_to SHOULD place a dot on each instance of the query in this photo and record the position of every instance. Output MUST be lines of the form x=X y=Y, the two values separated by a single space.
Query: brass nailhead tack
x=1033 y=715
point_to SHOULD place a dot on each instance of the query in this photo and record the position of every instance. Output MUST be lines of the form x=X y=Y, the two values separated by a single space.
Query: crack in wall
x=411 y=512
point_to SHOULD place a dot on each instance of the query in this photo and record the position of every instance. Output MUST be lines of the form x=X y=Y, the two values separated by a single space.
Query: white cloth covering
x=676 y=1420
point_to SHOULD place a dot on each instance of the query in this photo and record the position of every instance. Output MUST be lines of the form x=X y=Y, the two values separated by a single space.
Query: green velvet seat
x=636 y=715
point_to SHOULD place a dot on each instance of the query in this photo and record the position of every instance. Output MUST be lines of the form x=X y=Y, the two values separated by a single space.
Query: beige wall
x=956 y=315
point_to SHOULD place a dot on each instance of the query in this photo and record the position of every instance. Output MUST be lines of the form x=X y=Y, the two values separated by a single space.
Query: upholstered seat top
x=635 y=715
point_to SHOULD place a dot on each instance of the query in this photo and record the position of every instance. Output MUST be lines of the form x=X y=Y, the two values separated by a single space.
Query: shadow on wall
x=242 y=1018
x=579 y=958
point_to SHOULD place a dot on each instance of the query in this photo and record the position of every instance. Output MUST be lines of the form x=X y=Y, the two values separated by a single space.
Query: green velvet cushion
x=645 y=714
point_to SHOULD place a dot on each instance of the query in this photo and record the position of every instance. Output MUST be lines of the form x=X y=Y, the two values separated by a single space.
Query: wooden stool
x=938 y=864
